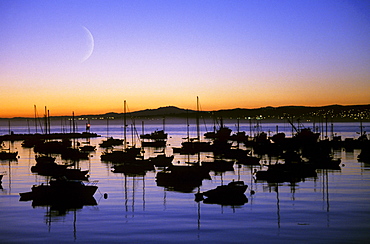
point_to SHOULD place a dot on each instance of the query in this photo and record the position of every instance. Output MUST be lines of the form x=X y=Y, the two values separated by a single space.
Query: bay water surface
x=333 y=207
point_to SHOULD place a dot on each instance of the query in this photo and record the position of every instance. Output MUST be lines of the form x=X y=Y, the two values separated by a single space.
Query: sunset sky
x=89 y=56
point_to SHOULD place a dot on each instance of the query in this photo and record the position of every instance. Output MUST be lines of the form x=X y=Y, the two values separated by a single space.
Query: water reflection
x=59 y=197
x=130 y=190
x=8 y=165
x=281 y=207
x=55 y=210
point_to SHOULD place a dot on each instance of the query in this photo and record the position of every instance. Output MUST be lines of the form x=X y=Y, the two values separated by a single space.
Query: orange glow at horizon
x=235 y=56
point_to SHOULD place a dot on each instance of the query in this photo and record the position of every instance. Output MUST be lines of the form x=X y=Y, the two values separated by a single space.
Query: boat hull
x=59 y=191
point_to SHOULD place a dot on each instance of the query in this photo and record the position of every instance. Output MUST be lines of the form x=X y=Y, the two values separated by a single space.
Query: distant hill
x=335 y=112
x=168 y=111
x=332 y=112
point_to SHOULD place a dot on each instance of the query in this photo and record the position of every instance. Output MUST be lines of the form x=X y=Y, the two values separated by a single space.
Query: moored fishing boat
x=110 y=142
x=60 y=188
x=230 y=194
x=182 y=177
x=87 y=148
x=162 y=160
x=51 y=168
x=156 y=135
x=219 y=165
x=8 y=155
x=233 y=189
x=286 y=172
x=44 y=159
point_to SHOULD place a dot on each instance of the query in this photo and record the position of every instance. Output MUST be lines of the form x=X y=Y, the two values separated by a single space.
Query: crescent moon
x=90 y=44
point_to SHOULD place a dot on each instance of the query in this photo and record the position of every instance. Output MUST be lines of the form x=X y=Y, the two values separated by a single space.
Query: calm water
x=332 y=208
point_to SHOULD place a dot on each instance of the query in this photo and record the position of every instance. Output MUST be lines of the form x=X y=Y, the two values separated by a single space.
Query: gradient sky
x=231 y=53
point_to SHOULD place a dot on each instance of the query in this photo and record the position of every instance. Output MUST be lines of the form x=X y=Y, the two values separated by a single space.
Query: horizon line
x=307 y=106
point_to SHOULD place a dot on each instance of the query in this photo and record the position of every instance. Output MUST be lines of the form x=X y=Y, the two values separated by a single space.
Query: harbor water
x=333 y=207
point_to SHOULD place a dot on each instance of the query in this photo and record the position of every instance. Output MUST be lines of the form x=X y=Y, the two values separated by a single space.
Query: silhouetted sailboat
x=194 y=145
x=158 y=138
x=60 y=189
x=230 y=194
x=6 y=154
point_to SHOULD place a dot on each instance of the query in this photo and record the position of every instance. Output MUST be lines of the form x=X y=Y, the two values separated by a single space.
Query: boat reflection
x=63 y=206
x=61 y=196
x=57 y=209
x=234 y=201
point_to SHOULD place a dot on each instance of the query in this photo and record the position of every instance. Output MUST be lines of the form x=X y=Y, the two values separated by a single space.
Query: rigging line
x=204 y=121
x=133 y=122
x=38 y=120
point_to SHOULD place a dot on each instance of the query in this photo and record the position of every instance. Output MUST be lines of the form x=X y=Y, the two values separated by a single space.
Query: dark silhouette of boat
x=44 y=159
x=154 y=143
x=4 y=155
x=239 y=137
x=110 y=142
x=135 y=167
x=193 y=146
x=242 y=156
x=31 y=142
x=223 y=133
x=230 y=194
x=219 y=165
x=74 y=154
x=156 y=135
x=320 y=156
x=184 y=178
x=220 y=137
x=120 y=156
x=325 y=162
x=60 y=189
x=158 y=138
x=140 y=166
x=50 y=147
x=249 y=160
x=306 y=136
x=162 y=160
x=47 y=166
x=286 y=172
x=87 y=148
x=364 y=155
x=7 y=153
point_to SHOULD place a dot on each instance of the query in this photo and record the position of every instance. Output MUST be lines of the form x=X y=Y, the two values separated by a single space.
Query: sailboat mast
x=187 y=124
x=197 y=120
x=34 y=106
x=49 y=121
x=73 y=122
x=46 y=121
x=124 y=123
